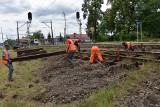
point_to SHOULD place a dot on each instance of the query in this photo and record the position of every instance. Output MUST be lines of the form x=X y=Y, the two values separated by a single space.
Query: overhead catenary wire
x=47 y=8
x=66 y=10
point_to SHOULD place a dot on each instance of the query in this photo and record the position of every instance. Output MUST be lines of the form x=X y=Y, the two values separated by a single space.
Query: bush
x=10 y=42
x=122 y=37
x=101 y=38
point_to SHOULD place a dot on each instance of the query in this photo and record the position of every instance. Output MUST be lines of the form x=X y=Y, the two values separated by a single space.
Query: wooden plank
x=32 y=53
x=24 y=58
x=30 y=50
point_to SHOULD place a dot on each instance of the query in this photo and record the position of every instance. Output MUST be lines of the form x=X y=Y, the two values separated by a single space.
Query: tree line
x=120 y=20
x=36 y=35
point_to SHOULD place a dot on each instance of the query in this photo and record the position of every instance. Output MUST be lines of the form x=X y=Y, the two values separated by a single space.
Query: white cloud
x=16 y=10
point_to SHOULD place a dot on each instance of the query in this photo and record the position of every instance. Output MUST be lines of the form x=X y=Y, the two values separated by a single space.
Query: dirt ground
x=147 y=95
x=65 y=85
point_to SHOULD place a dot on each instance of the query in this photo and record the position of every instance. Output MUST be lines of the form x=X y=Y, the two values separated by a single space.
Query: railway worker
x=128 y=46
x=77 y=43
x=71 y=50
x=95 y=51
x=6 y=60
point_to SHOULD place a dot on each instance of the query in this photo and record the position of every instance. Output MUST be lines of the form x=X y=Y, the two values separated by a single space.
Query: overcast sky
x=42 y=11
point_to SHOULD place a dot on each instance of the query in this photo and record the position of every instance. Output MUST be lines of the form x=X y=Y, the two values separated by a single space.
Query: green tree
x=92 y=11
x=37 y=35
x=49 y=36
x=121 y=17
x=60 y=38
x=107 y=24
x=10 y=42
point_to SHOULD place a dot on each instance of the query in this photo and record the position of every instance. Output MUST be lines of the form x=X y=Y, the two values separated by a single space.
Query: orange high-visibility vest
x=6 y=57
x=95 y=50
x=71 y=45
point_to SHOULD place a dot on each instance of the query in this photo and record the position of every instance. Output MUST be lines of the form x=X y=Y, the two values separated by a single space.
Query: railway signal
x=79 y=22
x=77 y=15
x=29 y=16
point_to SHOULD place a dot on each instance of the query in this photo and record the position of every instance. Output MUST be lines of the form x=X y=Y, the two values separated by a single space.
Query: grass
x=25 y=73
x=51 y=48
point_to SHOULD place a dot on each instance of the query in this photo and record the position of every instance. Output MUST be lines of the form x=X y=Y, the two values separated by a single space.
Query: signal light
x=77 y=15
x=29 y=16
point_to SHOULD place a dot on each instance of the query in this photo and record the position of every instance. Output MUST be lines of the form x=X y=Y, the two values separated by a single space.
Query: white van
x=36 y=41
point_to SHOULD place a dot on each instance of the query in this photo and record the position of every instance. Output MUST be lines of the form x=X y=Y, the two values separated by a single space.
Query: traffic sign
x=138 y=22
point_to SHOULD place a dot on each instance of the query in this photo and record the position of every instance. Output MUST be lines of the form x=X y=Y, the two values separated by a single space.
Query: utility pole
x=79 y=22
x=52 y=33
x=6 y=37
x=64 y=25
x=141 y=30
x=28 y=25
x=51 y=29
x=28 y=29
x=2 y=36
x=18 y=30
x=17 y=33
x=137 y=32
x=80 y=27
x=28 y=33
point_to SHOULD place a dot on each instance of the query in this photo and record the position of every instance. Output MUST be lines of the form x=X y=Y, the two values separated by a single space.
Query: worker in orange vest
x=6 y=60
x=77 y=43
x=71 y=50
x=128 y=46
x=95 y=51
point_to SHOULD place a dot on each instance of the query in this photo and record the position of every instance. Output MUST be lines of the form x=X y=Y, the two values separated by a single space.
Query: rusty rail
x=30 y=52
x=121 y=51
x=24 y=58
x=126 y=57
x=138 y=52
x=103 y=45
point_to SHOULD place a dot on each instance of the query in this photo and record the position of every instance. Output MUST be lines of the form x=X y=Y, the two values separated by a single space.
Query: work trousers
x=97 y=52
x=10 y=67
x=70 y=56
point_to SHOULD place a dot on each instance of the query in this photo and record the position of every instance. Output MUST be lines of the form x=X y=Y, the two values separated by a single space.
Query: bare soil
x=65 y=85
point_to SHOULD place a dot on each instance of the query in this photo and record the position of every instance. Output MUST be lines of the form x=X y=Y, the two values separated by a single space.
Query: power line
x=41 y=5
x=64 y=10
x=47 y=8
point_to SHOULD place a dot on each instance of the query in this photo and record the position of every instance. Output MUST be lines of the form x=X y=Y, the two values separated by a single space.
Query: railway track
x=29 y=54
x=149 y=46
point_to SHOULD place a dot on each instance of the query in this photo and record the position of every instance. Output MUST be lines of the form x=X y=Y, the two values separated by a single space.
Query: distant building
x=56 y=41
x=82 y=37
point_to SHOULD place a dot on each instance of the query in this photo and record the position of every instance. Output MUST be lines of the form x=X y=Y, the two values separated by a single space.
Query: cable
x=60 y=11
x=47 y=8
x=41 y=5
